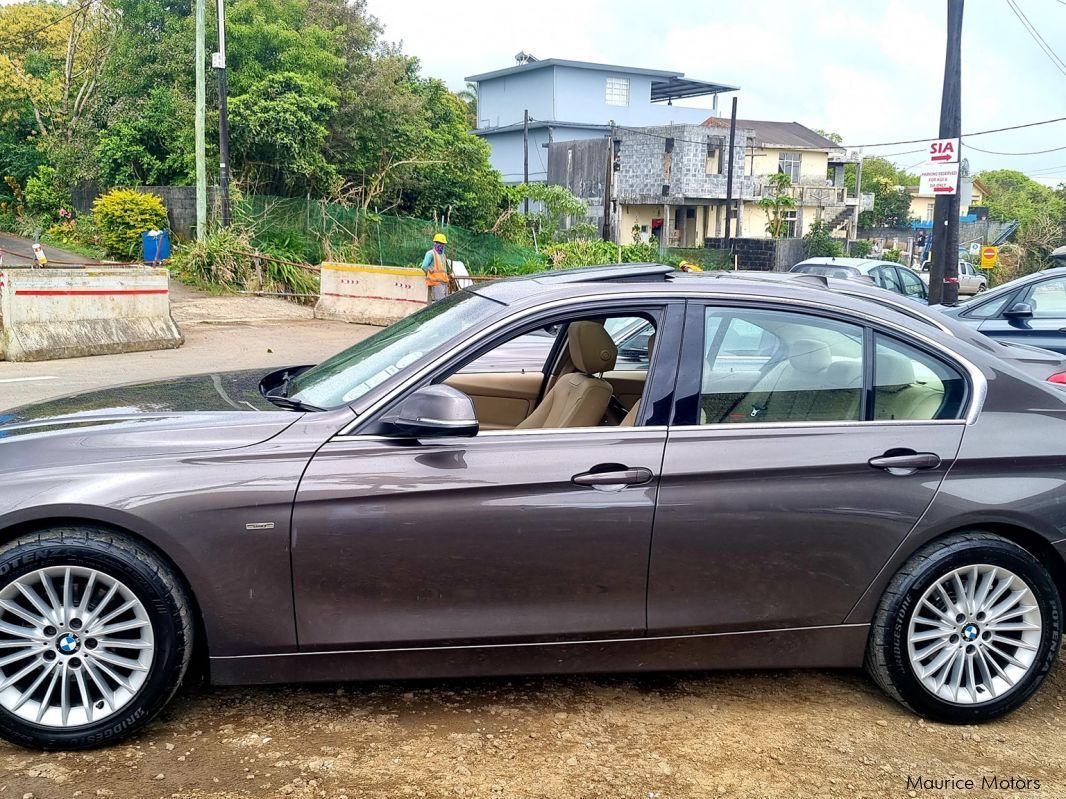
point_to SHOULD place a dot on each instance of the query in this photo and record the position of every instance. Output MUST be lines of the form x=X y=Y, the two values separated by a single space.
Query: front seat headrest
x=893 y=370
x=591 y=349
x=809 y=355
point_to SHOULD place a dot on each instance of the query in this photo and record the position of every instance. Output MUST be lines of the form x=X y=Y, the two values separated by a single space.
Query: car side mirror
x=433 y=412
x=1020 y=310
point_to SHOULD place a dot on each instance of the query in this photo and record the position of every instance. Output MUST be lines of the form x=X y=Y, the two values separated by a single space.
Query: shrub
x=221 y=259
x=44 y=195
x=860 y=248
x=892 y=255
x=123 y=214
x=820 y=241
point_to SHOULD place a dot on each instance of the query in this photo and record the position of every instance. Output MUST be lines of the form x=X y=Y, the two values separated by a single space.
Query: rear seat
x=809 y=387
x=898 y=396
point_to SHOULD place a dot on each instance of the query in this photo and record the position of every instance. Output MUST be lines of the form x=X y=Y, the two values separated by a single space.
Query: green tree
x=820 y=241
x=775 y=205
x=152 y=145
x=468 y=97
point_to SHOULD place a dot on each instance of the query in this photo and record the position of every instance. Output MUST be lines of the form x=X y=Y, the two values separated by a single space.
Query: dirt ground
x=714 y=735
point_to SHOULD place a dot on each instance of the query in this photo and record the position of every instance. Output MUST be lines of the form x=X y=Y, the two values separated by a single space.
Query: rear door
x=782 y=495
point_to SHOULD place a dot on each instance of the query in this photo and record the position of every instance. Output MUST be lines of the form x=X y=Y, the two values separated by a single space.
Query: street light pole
x=219 y=62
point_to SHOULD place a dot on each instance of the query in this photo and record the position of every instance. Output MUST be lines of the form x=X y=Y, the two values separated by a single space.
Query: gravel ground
x=716 y=735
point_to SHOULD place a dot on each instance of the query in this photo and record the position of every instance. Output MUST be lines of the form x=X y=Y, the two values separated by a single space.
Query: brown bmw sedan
x=772 y=474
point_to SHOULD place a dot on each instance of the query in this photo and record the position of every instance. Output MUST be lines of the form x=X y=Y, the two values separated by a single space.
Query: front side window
x=772 y=366
x=789 y=163
x=911 y=385
x=886 y=278
x=618 y=91
x=912 y=284
x=1048 y=298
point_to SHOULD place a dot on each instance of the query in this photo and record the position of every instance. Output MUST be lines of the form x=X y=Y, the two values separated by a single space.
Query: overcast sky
x=871 y=71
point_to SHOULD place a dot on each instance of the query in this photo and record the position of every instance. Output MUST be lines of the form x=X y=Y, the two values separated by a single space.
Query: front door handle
x=618 y=475
x=904 y=462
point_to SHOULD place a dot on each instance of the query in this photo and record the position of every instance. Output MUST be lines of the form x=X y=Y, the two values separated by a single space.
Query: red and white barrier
x=68 y=313
x=370 y=295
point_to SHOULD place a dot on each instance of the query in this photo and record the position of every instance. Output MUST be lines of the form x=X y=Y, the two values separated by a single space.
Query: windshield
x=350 y=374
x=834 y=270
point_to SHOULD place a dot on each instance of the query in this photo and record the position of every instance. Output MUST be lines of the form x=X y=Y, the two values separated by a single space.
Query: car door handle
x=622 y=476
x=906 y=462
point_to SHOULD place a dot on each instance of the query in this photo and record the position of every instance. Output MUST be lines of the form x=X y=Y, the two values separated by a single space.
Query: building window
x=929 y=211
x=789 y=223
x=789 y=163
x=618 y=91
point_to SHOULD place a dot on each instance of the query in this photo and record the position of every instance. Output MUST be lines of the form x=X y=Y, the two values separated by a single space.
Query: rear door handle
x=906 y=462
x=621 y=476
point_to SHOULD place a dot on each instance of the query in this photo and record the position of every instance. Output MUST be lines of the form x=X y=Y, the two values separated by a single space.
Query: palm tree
x=469 y=98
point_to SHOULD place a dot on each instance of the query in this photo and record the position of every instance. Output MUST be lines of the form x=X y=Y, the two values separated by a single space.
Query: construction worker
x=435 y=265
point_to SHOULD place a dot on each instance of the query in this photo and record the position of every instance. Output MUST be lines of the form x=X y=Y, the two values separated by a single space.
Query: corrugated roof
x=791 y=135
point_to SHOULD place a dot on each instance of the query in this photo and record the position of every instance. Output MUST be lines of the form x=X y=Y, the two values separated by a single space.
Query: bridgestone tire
x=887 y=657
x=167 y=608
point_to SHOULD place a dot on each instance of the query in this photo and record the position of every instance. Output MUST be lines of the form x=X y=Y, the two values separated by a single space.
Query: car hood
x=208 y=412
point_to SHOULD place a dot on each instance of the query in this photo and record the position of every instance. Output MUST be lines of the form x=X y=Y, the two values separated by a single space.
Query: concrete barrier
x=68 y=313
x=370 y=295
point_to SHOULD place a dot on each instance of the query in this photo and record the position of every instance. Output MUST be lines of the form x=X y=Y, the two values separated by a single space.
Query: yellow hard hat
x=440 y=238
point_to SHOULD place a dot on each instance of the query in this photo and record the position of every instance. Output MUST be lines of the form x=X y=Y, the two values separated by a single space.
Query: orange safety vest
x=438 y=273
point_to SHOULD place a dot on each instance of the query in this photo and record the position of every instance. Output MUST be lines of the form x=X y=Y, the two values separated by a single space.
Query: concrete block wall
x=764 y=255
x=179 y=200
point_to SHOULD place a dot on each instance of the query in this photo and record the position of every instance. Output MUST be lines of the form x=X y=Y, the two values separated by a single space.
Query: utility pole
x=608 y=186
x=219 y=62
x=858 y=199
x=198 y=126
x=944 y=270
x=729 y=176
x=525 y=157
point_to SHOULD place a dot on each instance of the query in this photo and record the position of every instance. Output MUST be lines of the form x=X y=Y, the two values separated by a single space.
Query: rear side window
x=912 y=284
x=886 y=279
x=911 y=385
x=773 y=366
x=767 y=366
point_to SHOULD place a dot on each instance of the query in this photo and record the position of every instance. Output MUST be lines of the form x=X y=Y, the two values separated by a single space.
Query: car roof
x=861 y=264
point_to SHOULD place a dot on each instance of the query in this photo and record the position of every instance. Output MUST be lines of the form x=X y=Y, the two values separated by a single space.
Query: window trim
x=688 y=391
x=677 y=301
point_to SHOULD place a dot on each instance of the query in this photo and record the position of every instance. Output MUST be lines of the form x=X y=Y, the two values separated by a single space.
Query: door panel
x=628 y=386
x=481 y=539
x=501 y=400
x=782 y=526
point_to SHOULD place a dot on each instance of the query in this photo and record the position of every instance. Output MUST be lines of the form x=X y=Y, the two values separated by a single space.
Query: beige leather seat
x=631 y=417
x=898 y=395
x=579 y=399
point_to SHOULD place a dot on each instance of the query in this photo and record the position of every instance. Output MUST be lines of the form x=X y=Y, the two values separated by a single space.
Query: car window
x=1048 y=298
x=989 y=309
x=777 y=366
x=911 y=385
x=828 y=270
x=631 y=334
x=886 y=278
x=912 y=284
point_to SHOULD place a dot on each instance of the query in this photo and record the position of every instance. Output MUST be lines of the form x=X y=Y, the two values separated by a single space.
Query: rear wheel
x=95 y=637
x=982 y=288
x=967 y=630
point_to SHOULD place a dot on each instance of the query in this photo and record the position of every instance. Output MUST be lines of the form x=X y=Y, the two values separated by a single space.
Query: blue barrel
x=155 y=246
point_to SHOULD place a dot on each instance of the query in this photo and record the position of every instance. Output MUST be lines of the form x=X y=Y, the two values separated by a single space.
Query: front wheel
x=967 y=630
x=95 y=637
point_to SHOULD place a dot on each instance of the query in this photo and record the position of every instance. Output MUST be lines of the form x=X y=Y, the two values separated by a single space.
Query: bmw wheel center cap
x=969 y=632
x=68 y=643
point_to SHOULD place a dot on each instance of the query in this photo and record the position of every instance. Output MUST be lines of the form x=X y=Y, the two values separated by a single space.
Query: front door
x=787 y=484
x=525 y=535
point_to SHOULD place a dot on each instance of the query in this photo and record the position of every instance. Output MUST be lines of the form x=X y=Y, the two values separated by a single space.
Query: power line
x=29 y=34
x=975 y=133
x=1035 y=34
x=1033 y=152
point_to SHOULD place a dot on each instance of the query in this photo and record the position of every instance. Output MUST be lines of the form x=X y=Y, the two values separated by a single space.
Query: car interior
x=578 y=373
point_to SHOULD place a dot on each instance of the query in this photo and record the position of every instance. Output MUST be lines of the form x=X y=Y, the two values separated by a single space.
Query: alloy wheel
x=76 y=645
x=974 y=634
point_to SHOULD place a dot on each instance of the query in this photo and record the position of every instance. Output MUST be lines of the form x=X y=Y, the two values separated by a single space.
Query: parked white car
x=971 y=279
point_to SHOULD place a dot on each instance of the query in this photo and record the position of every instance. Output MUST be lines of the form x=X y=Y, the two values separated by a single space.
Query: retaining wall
x=68 y=313
x=370 y=295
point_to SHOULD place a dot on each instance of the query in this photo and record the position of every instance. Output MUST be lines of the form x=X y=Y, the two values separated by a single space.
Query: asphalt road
x=17 y=251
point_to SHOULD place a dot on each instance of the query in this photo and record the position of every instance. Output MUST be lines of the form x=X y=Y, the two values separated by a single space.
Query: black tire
x=887 y=658
x=144 y=573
